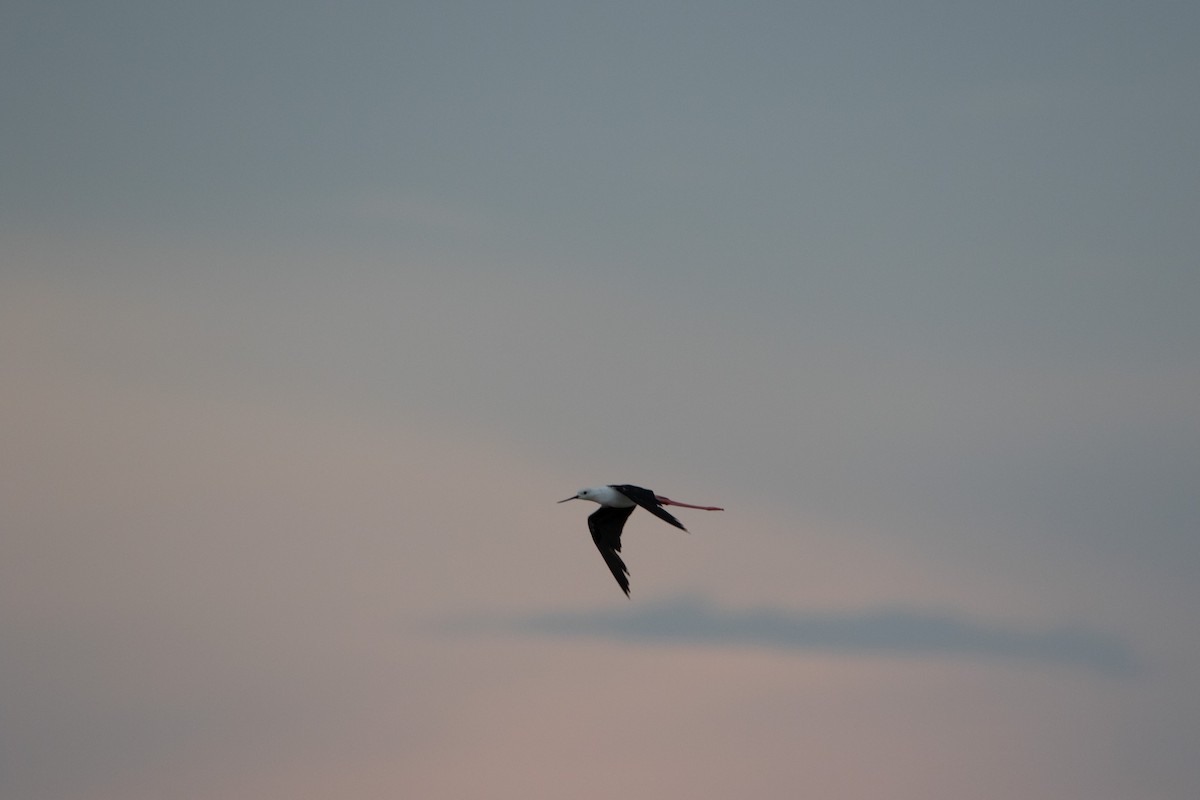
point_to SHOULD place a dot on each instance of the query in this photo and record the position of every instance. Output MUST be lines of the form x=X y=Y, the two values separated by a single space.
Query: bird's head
x=583 y=494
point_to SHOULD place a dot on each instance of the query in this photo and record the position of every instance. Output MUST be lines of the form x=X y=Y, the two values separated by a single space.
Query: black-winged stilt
x=617 y=502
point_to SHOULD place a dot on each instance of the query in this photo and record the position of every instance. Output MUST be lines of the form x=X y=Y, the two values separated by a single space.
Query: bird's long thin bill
x=572 y=497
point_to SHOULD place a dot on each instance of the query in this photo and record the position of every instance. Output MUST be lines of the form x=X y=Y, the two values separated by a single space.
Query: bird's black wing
x=646 y=499
x=606 y=524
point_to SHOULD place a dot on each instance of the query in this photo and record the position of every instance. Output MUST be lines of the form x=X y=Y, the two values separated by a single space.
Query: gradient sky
x=309 y=313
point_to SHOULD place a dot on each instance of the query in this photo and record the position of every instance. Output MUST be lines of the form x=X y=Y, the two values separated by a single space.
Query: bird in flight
x=617 y=502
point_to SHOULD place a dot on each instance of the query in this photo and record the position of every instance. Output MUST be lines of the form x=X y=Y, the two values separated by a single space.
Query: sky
x=310 y=313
